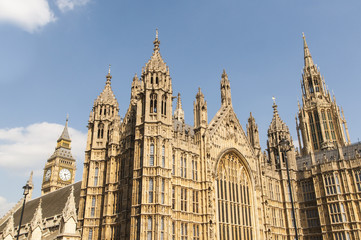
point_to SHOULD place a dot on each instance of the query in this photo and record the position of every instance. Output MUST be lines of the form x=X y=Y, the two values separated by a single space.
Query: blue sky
x=54 y=55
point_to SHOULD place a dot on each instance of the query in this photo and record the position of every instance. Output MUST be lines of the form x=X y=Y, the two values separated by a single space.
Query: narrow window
x=151 y=80
x=90 y=237
x=92 y=210
x=185 y=167
x=163 y=156
x=173 y=230
x=162 y=228
x=173 y=164
x=153 y=103
x=151 y=189
x=150 y=228
x=100 y=130
x=156 y=80
x=151 y=159
x=96 y=176
x=173 y=197
x=162 y=192
x=141 y=155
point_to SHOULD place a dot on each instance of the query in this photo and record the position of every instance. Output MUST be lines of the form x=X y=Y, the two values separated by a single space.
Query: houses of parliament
x=151 y=176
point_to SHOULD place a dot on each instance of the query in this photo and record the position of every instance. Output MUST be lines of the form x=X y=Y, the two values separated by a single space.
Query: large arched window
x=234 y=194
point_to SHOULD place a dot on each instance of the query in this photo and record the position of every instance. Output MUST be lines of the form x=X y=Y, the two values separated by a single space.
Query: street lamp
x=285 y=147
x=27 y=189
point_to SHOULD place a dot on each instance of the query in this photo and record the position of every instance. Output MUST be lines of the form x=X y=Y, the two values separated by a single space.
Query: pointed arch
x=235 y=197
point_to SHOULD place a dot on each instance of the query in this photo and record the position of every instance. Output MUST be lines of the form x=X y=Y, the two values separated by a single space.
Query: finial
x=108 y=76
x=156 y=41
x=274 y=100
x=67 y=117
x=303 y=34
x=30 y=181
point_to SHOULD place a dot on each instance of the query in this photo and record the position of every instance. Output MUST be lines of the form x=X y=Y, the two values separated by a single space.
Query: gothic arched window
x=310 y=85
x=234 y=194
x=153 y=103
x=100 y=130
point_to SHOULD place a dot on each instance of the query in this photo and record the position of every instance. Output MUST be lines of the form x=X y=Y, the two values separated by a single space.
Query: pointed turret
x=136 y=89
x=252 y=132
x=36 y=223
x=225 y=90
x=65 y=134
x=30 y=183
x=179 y=113
x=200 y=111
x=70 y=206
x=107 y=96
x=277 y=132
x=156 y=62
x=9 y=230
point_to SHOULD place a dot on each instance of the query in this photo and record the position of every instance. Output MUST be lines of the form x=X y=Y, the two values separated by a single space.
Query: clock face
x=47 y=174
x=65 y=174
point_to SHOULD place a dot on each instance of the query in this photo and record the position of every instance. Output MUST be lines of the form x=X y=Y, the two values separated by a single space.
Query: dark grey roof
x=52 y=205
x=65 y=133
x=179 y=126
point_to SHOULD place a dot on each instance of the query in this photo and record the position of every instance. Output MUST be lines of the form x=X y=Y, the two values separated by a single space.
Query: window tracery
x=234 y=193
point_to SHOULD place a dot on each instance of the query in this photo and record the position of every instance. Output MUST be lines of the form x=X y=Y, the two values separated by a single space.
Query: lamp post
x=27 y=189
x=284 y=147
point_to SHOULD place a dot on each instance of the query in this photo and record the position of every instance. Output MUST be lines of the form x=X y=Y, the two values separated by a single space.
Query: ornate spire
x=108 y=76
x=65 y=134
x=156 y=62
x=225 y=89
x=30 y=183
x=276 y=124
x=156 y=41
x=107 y=96
x=199 y=93
x=179 y=113
x=307 y=54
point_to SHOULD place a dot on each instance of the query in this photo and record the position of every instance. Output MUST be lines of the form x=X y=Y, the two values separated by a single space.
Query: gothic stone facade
x=151 y=176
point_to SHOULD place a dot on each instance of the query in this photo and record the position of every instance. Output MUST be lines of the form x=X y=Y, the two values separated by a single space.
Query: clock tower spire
x=59 y=170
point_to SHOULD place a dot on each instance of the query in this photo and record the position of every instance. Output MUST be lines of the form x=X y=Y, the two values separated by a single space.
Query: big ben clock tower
x=59 y=170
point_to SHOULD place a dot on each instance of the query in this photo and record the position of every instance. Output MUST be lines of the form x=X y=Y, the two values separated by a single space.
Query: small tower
x=320 y=122
x=59 y=170
x=277 y=132
x=225 y=90
x=252 y=133
x=179 y=113
x=200 y=116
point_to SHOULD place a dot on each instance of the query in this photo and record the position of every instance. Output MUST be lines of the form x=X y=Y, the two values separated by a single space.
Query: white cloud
x=31 y=15
x=66 y=5
x=27 y=148
x=5 y=206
